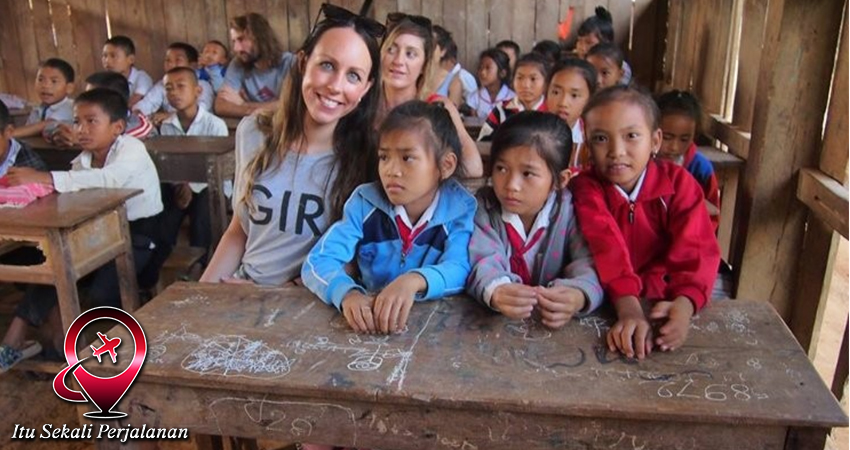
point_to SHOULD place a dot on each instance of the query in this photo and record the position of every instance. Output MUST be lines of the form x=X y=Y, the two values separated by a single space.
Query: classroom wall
x=34 y=30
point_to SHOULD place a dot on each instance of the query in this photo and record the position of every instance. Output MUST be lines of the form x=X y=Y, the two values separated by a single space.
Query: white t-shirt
x=155 y=99
x=140 y=82
x=61 y=111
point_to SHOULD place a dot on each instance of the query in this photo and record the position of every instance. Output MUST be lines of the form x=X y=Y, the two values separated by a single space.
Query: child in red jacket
x=645 y=223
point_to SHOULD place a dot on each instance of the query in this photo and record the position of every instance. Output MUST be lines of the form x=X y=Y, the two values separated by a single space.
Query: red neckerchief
x=518 y=264
x=406 y=235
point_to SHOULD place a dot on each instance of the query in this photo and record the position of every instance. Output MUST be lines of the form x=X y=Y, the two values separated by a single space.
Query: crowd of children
x=349 y=183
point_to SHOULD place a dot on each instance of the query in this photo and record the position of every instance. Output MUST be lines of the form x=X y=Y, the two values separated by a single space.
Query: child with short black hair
x=213 y=62
x=571 y=84
x=494 y=79
x=12 y=152
x=681 y=116
x=511 y=49
x=54 y=83
x=109 y=160
x=155 y=105
x=597 y=29
x=119 y=55
x=548 y=48
x=607 y=59
x=529 y=83
x=407 y=234
x=645 y=223
x=527 y=251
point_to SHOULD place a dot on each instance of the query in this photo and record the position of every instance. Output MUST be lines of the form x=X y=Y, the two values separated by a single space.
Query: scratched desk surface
x=65 y=210
x=740 y=365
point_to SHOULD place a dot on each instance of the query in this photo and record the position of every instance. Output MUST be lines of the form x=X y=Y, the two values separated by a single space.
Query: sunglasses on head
x=395 y=18
x=335 y=14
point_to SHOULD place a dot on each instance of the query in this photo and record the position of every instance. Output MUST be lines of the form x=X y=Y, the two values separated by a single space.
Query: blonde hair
x=427 y=82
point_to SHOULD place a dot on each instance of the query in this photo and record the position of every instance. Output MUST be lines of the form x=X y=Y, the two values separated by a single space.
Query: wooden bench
x=277 y=363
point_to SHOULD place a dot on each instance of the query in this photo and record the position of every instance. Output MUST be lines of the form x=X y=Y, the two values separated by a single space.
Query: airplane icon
x=108 y=346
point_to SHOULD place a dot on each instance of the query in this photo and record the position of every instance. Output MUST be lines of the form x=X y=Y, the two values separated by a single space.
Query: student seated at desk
x=12 y=152
x=681 y=115
x=570 y=86
x=645 y=223
x=54 y=83
x=137 y=125
x=407 y=235
x=190 y=119
x=213 y=63
x=527 y=251
x=119 y=56
x=155 y=106
x=108 y=160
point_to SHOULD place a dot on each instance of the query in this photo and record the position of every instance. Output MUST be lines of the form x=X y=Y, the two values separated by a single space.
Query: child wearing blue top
x=213 y=61
x=407 y=234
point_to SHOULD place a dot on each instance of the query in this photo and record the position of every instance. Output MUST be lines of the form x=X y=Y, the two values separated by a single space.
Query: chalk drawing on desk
x=271 y=318
x=190 y=300
x=237 y=356
x=297 y=419
x=529 y=330
x=597 y=323
x=158 y=345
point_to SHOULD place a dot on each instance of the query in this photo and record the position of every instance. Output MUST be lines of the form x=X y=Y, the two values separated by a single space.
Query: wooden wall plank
x=522 y=24
x=621 y=12
x=89 y=28
x=175 y=25
x=27 y=46
x=476 y=31
x=833 y=159
x=66 y=47
x=410 y=6
x=278 y=15
x=13 y=65
x=578 y=16
x=433 y=9
x=642 y=55
x=382 y=8
x=500 y=25
x=299 y=23
x=216 y=21
x=158 y=38
x=43 y=29
x=313 y=11
x=546 y=17
x=196 y=26
x=752 y=38
x=454 y=20
x=825 y=197
x=791 y=98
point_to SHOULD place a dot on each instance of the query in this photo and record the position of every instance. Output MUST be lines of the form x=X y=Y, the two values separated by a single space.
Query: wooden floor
x=42 y=405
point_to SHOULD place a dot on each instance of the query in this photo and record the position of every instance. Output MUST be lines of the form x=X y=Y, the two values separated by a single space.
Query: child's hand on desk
x=514 y=300
x=24 y=175
x=357 y=309
x=678 y=314
x=631 y=334
x=64 y=136
x=392 y=305
x=558 y=304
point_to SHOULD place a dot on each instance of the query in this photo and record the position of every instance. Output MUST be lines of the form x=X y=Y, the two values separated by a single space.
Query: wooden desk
x=728 y=169
x=178 y=159
x=20 y=116
x=473 y=125
x=78 y=232
x=277 y=363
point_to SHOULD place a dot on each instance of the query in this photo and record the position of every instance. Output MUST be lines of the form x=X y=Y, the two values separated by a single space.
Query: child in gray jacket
x=526 y=250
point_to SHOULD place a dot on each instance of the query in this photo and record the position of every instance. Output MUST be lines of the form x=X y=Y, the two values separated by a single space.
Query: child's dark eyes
x=632 y=135
x=599 y=139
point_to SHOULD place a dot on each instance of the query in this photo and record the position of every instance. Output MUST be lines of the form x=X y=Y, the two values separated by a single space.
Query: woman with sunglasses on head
x=408 y=67
x=297 y=165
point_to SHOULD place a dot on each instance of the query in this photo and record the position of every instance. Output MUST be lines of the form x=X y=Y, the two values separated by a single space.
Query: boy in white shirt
x=109 y=160
x=54 y=83
x=182 y=90
x=119 y=55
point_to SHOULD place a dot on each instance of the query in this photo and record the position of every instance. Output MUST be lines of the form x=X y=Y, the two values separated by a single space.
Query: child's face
x=511 y=56
x=336 y=76
x=403 y=61
x=410 y=174
x=677 y=132
x=51 y=85
x=213 y=54
x=608 y=73
x=568 y=93
x=522 y=182
x=585 y=43
x=621 y=142
x=114 y=59
x=176 y=58
x=529 y=84
x=181 y=90
x=95 y=131
x=488 y=72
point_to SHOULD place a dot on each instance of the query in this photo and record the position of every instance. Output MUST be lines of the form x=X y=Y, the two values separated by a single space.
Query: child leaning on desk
x=407 y=234
x=108 y=160
x=645 y=223
x=527 y=251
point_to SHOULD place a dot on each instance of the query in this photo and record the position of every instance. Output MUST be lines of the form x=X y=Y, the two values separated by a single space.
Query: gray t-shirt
x=259 y=85
x=292 y=208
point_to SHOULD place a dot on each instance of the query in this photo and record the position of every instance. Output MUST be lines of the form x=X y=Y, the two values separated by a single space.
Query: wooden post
x=797 y=56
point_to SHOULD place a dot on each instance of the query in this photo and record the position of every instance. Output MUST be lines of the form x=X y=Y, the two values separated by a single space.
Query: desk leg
x=62 y=265
x=806 y=438
x=218 y=205
x=126 y=267
x=729 y=181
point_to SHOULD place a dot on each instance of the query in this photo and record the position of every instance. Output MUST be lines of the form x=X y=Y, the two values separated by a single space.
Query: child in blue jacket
x=406 y=234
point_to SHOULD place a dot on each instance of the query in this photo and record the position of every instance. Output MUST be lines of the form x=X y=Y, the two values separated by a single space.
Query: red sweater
x=660 y=247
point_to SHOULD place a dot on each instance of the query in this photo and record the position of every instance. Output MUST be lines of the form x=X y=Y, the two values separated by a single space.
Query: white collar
x=541 y=221
x=175 y=121
x=426 y=216
x=85 y=157
x=634 y=195
x=59 y=104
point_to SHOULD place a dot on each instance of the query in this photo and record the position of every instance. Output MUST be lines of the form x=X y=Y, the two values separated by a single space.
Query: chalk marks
x=529 y=330
x=597 y=323
x=225 y=355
